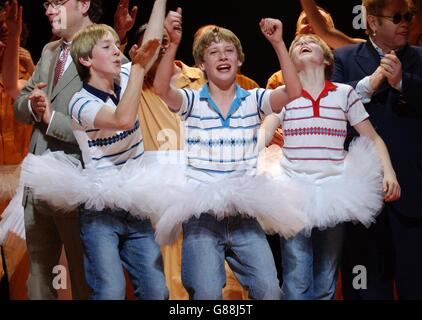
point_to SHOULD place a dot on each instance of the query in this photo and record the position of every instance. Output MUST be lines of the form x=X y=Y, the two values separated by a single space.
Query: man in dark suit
x=43 y=102
x=387 y=73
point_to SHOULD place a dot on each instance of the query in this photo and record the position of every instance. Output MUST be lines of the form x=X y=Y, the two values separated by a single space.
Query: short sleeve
x=188 y=97
x=84 y=109
x=355 y=110
x=263 y=101
x=124 y=75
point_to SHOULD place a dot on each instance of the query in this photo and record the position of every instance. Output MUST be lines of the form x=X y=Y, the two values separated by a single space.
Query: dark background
x=241 y=17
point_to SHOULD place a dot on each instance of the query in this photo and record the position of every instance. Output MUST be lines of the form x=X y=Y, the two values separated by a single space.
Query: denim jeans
x=241 y=241
x=310 y=264
x=113 y=240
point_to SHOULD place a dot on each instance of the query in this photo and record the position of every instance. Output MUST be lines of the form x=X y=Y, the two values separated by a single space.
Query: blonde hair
x=83 y=43
x=214 y=34
x=326 y=51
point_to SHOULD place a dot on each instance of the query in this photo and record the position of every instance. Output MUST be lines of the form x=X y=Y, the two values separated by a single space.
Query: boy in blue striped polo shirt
x=105 y=124
x=222 y=123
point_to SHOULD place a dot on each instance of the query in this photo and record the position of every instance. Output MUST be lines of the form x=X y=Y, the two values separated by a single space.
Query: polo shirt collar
x=102 y=94
x=241 y=95
x=329 y=86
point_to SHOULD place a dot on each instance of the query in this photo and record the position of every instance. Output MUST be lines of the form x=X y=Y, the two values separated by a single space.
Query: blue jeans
x=310 y=264
x=113 y=240
x=241 y=241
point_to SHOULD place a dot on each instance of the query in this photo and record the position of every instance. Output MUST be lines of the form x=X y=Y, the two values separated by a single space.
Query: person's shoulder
x=83 y=96
x=51 y=46
x=349 y=48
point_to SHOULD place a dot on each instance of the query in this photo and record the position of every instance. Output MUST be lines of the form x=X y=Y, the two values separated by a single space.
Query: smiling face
x=66 y=19
x=218 y=52
x=220 y=62
x=310 y=51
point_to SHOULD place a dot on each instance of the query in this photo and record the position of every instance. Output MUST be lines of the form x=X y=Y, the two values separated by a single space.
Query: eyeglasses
x=397 y=17
x=55 y=3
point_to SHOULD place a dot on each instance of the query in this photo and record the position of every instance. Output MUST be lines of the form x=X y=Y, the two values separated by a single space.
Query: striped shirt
x=216 y=145
x=315 y=130
x=103 y=147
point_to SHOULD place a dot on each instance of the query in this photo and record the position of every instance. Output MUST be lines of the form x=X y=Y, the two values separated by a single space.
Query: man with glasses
x=43 y=102
x=387 y=74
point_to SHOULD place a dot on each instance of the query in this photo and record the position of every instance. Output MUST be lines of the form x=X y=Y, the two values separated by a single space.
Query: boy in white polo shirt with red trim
x=339 y=186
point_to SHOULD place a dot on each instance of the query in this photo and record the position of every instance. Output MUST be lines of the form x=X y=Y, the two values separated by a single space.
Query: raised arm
x=391 y=187
x=272 y=30
x=162 y=82
x=10 y=65
x=124 y=20
x=334 y=38
x=155 y=27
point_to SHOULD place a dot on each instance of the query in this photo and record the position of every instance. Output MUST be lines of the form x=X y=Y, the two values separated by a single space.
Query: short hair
x=327 y=52
x=95 y=11
x=375 y=8
x=83 y=43
x=200 y=31
x=215 y=34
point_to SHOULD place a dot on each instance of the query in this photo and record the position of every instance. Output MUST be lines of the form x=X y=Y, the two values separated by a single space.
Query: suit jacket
x=58 y=135
x=397 y=116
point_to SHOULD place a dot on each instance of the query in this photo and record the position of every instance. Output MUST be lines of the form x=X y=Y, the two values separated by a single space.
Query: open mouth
x=305 y=50
x=224 y=68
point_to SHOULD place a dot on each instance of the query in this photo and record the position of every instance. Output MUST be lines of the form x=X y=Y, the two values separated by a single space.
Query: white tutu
x=60 y=180
x=354 y=195
x=13 y=217
x=9 y=181
x=260 y=197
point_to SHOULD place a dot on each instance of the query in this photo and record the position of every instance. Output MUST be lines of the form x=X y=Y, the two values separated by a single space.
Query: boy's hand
x=391 y=187
x=272 y=29
x=173 y=25
x=144 y=54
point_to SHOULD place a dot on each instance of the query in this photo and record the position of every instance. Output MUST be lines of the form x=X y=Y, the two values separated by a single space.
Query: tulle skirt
x=353 y=195
x=13 y=217
x=273 y=203
x=157 y=187
x=136 y=187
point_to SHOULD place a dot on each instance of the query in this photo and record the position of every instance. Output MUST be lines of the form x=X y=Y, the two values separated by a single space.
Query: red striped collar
x=329 y=86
